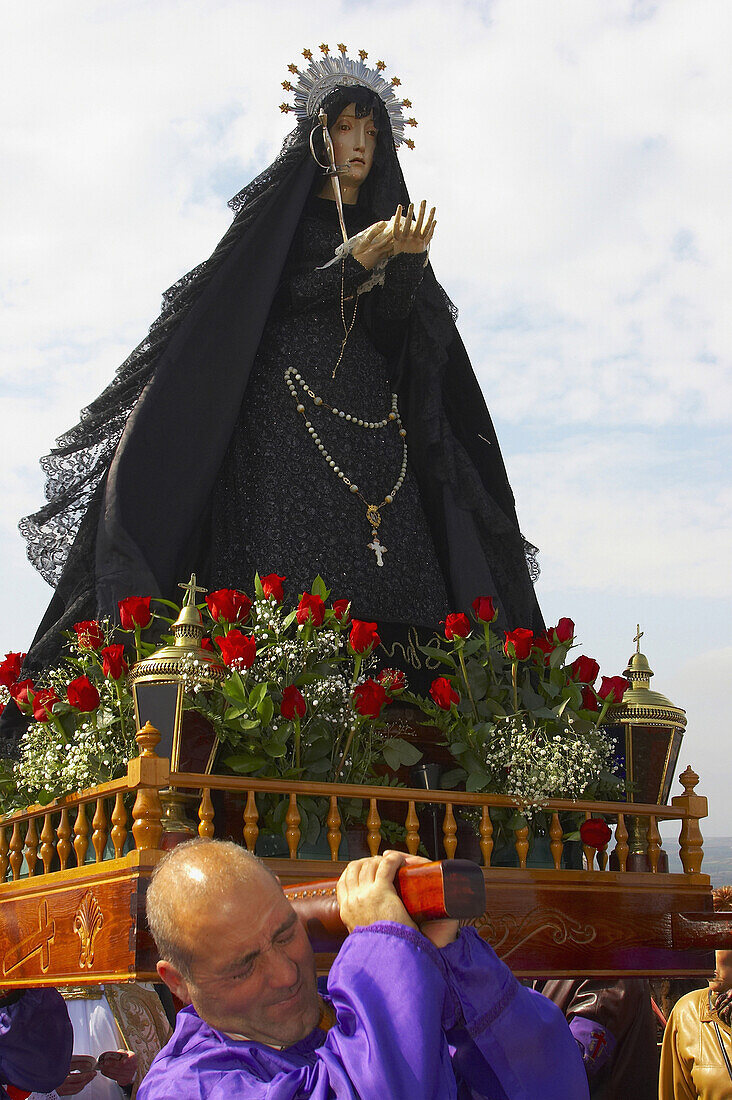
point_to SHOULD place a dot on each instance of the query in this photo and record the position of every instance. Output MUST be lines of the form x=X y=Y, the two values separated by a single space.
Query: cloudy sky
x=579 y=155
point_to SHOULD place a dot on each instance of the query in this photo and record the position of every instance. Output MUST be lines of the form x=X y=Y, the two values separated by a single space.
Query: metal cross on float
x=638 y=635
x=190 y=590
x=379 y=549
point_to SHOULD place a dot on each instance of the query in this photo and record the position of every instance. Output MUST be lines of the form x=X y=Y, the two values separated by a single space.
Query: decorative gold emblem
x=88 y=920
x=36 y=943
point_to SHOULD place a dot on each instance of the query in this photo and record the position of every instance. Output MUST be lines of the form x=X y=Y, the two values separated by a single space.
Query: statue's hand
x=410 y=235
x=375 y=243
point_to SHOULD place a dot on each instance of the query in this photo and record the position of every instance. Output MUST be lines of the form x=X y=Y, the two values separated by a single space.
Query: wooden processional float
x=73 y=877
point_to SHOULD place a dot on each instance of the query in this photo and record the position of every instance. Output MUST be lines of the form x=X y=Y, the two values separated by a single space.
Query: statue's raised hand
x=374 y=244
x=410 y=235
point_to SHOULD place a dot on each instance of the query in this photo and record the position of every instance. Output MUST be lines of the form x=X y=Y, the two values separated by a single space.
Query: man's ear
x=174 y=980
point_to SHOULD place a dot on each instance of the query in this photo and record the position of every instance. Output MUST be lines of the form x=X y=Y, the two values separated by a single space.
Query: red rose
x=114 y=664
x=42 y=703
x=518 y=643
x=207 y=644
x=10 y=668
x=340 y=610
x=613 y=688
x=310 y=609
x=82 y=694
x=595 y=833
x=292 y=703
x=564 y=630
x=272 y=586
x=237 y=650
x=392 y=680
x=457 y=625
x=89 y=634
x=584 y=669
x=228 y=604
x=363 y=636
x=546 y=645
x=444 y=693
x=369 y=698
x=485 y=609
x=589 y=699
x=19 y=692
x=134 y=611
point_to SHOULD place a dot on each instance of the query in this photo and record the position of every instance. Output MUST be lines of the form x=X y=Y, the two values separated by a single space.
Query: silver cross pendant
x=379 y=549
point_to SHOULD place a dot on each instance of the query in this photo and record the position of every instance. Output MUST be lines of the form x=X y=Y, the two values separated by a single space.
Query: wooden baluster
x=602 y=859
x=694 y=806
x=292 y=820
x=206 y=815
x=63 y=832
x=486 y=836
x=251 y=817
x=119 y=825
x=3 y=852
x=81 y=835
x=412 y=824
x=521 y=845
x=621 y=842
x=556 y=846
x=373 y=824
x=47 y=848
x=588 y=849
x=333 y=821
x=147 y=811
x=653 y=842
x=31 y=846
x=16 y=851
x=449 y=829
x=100 y=824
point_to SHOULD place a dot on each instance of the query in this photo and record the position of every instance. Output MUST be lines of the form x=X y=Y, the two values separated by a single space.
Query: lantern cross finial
x=190 y=590
x=638 y=635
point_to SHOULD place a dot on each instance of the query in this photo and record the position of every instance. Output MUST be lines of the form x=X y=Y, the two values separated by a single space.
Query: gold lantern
x=158 y=685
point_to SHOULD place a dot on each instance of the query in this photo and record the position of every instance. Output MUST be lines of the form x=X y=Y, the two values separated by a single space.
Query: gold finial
x=381 y=65
x=285 y=107
x=638 y=635
x=190 y=590
x=407 y=103
x=342 y=47
x=293 y=68
x=362 y=54
x=324 y=48
x=308 y=54
x=286 y=85
x=396 y=81
x=412 y=122
x=409 y=143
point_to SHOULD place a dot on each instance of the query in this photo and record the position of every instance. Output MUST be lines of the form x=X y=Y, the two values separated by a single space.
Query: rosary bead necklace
x=373 y=511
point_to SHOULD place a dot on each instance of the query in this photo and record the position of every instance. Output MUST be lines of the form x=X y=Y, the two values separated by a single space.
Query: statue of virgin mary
x=294 y=410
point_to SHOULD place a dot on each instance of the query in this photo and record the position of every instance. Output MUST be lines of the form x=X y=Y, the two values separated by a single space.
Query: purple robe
x=36 y=1041
x=413 y=1023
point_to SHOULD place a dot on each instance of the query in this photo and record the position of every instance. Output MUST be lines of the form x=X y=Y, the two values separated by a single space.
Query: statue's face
x=354 y=144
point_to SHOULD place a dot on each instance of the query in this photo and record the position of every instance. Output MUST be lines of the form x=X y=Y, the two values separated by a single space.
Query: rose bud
x=363 y=636
x=43 y=703
x=272 y=586
x=292 y=703
x=444 y=693
x=518 y=643
x=228 y=605
x=89 y=634
x=584 y=669
x=114 y=664
x=10 y=668
x=310 y=609
x=369 y=698
x=392 y=680
x=613 y=688
x=237 y=650
x=485 y=609
x=457 y=625
x=134 y=611
x=595 y=833
x=82 y=694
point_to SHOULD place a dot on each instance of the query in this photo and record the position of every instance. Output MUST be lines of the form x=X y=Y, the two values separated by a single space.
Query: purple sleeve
x=522 y=1036
x=596 y=1043
x=36 y=1041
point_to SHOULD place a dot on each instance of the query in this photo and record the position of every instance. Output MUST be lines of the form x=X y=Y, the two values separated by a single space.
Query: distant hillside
x=717 y=858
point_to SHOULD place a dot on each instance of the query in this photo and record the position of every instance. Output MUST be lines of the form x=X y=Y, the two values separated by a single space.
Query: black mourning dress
x=277 y=505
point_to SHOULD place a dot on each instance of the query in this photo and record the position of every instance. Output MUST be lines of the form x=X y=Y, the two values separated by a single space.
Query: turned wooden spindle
x=412 y=827
x=653 y=844
x=147 y=811
x=521 y=844
x=63 y=833
x=31 y=846
x=449 y=829
x=48 y=850
x=373 y=824
x=16 y=851
x=81 y=835
x=556 y=846
x=292 y=832
x=333 y=821
x=251 y=817
x=621 y=843
x=4 y=849
x=206 y=815
x=119 y=825
x=486 y=836
x=602 y=859
x=694 y=807
x=100 y=825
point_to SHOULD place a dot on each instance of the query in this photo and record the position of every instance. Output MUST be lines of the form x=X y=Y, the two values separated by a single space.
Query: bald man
x=409 y=1013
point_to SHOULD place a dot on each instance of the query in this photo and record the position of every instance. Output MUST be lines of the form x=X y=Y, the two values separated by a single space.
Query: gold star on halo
x=342 y=47
x=362 y=54
x=308 y=54
x=381 y=65
x=396 y=81
x=285 y=107
x=409 y=143
x=324 y=48
x=406 y=103
x=412 y=122
x=293 y=68
x=286 y=85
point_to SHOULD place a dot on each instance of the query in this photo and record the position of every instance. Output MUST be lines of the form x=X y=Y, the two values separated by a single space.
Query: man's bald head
x=193 y=881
